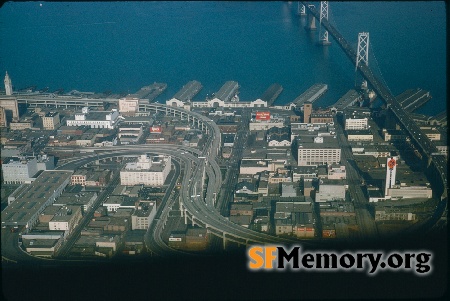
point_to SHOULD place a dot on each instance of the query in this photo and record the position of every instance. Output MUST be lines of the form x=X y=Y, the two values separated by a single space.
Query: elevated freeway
x=199 y=209
x=421 y=140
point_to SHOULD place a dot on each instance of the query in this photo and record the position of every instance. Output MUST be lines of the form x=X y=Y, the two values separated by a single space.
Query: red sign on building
x=262 y=115
x=391 y=163
x=155 y=129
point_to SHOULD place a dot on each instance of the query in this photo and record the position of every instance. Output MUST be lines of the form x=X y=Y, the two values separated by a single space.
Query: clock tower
x=8 y=84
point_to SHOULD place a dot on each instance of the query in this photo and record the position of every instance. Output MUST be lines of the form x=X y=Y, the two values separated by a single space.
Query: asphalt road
x=367 y=226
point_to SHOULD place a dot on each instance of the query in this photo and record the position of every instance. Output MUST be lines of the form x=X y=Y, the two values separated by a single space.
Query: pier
x=271 y=94
x=311 y=95
x=188 y=91
x=412 y=99
x=228 y=91
x=150 y=92
x=349 y=99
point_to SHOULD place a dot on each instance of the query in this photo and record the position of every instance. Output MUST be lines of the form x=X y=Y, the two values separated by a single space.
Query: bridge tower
x=323 y=35
x=311 y=25
x=363 y=49
x=301 y=9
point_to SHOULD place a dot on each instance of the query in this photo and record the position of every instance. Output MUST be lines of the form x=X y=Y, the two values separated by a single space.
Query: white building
x=356 y=123
x=66 y=219
x=251 y=167
x=128 y=104
x=330 y=191
x=143 y=216
x=151 y=171
x=19 y=170
x=95 y=119
x=112 y=203
x=320 y=151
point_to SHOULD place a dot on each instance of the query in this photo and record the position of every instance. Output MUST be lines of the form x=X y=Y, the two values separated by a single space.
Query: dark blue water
x=123 y=46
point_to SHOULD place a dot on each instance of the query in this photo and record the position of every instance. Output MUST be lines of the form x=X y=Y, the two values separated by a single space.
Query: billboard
x=155 y=129
x=262 y=115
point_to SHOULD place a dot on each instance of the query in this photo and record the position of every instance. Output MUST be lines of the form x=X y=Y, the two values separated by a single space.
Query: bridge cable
x=378 y=69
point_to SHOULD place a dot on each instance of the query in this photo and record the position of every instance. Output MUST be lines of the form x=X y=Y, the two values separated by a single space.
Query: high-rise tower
x=8 y=84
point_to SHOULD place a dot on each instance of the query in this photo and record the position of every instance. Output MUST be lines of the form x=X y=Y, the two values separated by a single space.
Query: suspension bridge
x=435 y=161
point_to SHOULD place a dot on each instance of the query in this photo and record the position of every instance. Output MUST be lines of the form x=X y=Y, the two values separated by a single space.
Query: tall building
x=320 y=151
x=307 y=110
x=391 y=169
x=8 y=84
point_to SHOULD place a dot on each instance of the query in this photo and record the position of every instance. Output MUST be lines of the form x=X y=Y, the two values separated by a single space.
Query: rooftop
x=32 y=200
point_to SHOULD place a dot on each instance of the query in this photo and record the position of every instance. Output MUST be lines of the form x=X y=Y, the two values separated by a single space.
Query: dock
x=412 y=99
x=311 y=95
x=349 y=99
x=228 y=91
x=150 y=92
x=441 y=118
x=188 y=91
x=271 y=94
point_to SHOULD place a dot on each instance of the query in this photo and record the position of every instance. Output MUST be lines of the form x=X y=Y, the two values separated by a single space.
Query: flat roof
x=359 y=132
x=71 y=198
x=113 y=199
x=348 y=99
x=329 y=142
x=65 y=214
x=33 y=199
x=311 y=95
x=144 y=212
x=188 y=91
x=51 y=114
x=227 y=91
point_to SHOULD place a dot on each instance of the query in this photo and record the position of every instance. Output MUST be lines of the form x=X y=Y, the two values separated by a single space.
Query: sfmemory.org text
x=279 y=258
